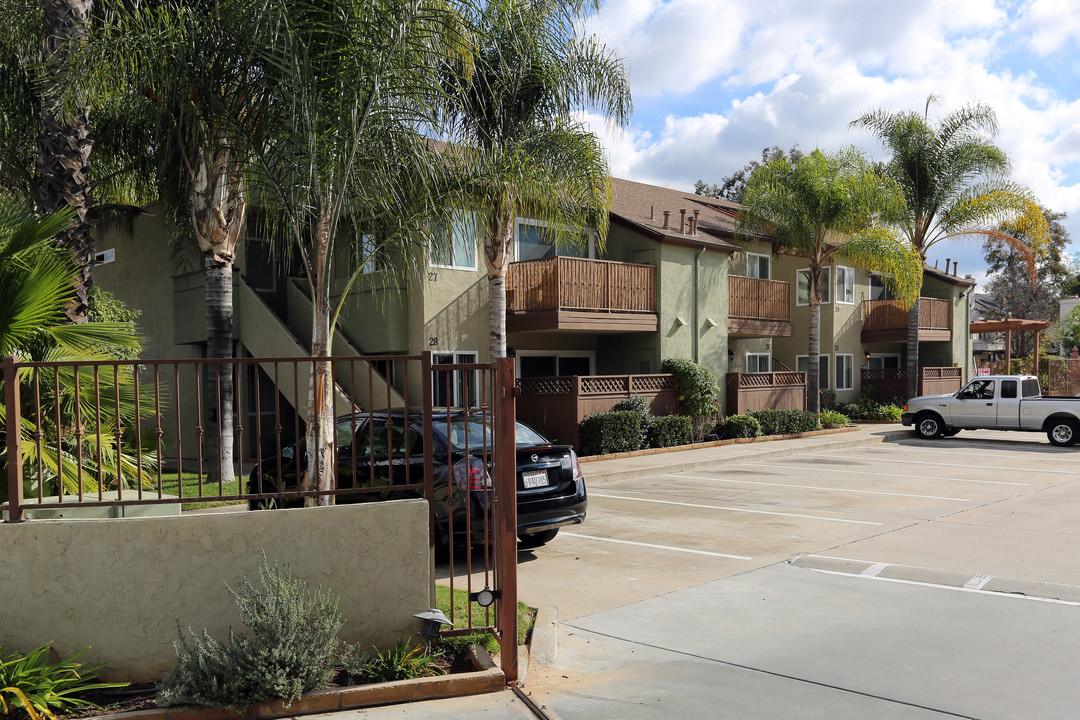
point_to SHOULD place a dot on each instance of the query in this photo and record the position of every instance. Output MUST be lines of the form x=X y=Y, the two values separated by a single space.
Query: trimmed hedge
x=785 y=422
x=610 y=432
x=670 y=430
x=699 y=392
x=640 y=405
x=739 y=426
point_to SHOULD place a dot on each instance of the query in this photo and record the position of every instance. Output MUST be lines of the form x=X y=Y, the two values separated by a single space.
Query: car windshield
x=475 y=432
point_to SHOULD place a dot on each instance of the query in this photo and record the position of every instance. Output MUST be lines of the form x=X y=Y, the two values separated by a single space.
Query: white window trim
x=455 y=266
x=849 y=272
x=825 y=284
x=824 y=381
x=519 y=221
x=456 y=402
x=885 y=355
x=751 y=256
x=746 y=361
x=558 y=354
x=836 y=366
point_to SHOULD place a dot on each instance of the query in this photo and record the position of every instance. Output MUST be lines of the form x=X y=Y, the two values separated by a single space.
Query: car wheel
x=1063 y=433
x=928 y=426
x=536 y=539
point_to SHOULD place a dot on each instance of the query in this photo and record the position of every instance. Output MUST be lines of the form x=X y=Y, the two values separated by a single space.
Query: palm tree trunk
x=813 y=361
x=913 y=350
x=320 y=428
x=497 y=244
x=64 y=164
x=219 y=386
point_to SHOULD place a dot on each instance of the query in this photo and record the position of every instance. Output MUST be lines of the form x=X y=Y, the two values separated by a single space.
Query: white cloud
x=1050 y=25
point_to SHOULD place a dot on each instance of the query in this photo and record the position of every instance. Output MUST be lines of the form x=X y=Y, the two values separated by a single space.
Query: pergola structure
x=1008 y=326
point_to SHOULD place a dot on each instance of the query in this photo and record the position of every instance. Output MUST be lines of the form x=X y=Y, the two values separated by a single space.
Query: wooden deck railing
x=765 y=390
x=934 y=314
x=566 y=283
x=758 y=299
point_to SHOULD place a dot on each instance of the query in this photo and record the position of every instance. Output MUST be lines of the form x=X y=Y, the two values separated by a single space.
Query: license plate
x=534 y=479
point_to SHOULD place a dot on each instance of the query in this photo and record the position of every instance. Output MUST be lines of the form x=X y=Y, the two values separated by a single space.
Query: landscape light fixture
x=433 y=619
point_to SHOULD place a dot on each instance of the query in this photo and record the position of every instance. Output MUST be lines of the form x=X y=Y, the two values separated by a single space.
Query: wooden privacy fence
x=765 y=391
x=566 y=283
x=558 y=404
x=934 y=314
x=891 y=383
x=758 y=299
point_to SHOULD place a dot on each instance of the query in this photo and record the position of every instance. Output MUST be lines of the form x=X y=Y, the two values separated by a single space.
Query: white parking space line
x=874 y=570
x=718 y=478
x=733 y=509
x=1042 y=454
x=907 y=477
x=657 y=547
x=978 y=582
x=1011 y=596
x=944 y=464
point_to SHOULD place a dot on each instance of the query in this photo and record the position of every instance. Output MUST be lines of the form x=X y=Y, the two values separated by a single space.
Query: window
x=758 y=266
x=459 y=250
x=531 y=363
x=879 y=288
x=1008 y=388
x=454 y=388
x=978 y=390
x=758 y=362
x=845 y=372
x=883 y=362
x=845 y=285
x=535 y=241
x=802 y=286
x=802 y=364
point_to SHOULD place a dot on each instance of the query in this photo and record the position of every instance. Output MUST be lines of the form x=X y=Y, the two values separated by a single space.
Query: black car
x=385 y=450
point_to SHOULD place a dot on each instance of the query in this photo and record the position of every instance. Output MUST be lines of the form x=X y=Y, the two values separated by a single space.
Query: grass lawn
x=460 y=618
x=170 y=485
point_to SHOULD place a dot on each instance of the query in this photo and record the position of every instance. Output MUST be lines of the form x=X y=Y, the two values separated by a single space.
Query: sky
x=716 y=81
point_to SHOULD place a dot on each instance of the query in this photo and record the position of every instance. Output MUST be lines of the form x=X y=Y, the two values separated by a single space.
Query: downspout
x=695 y=309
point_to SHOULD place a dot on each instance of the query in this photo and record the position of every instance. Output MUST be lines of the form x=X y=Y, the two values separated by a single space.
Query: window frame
x=826 y=286
x=590 y=249
x=454 y=226
x=766 y=354
x=838 y=366
x=824 y=379
x=754 y=258
x=457 y=357
x=848 y=273
x=557 y=354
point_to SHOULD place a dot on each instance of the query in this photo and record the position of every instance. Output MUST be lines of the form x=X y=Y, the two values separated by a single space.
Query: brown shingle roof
x=641 y=207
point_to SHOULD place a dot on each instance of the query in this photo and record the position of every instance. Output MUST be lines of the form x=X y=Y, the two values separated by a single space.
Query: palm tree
x=822 y=205
x=519 y=150
x=354 y=83
x=955 y=184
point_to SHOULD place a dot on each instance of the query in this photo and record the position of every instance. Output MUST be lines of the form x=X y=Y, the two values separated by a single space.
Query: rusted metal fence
x=111 y=434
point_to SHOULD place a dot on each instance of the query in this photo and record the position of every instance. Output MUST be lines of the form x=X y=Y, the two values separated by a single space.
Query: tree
x=733 y=187
x=954 y=182
x=354 y=82
x=520 y=152
x=823 y=205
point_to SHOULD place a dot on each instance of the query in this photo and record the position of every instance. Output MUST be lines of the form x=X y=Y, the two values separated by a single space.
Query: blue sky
x=715 y=81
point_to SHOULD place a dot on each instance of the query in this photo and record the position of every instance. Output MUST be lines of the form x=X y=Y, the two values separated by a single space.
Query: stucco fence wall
x=120 y=586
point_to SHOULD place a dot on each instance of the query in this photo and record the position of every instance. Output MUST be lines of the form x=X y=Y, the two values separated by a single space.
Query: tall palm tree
x=823 y=205
x=520 y=151
x=955 y=184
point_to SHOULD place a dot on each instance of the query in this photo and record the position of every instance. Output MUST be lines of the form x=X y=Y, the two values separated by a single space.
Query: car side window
x=1008 y=388
x=978 y=390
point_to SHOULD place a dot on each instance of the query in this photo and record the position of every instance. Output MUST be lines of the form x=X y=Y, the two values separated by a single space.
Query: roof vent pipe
x=652 y=210
x=667 y=215
x=693 y=225
x=947 y=262
x=955 y=265
x=682 y=221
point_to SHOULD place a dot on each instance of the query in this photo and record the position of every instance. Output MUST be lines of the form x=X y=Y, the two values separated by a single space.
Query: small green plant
x=699 y=392
x=291 y=648
x=785 y=422
x=39 y=682
x=670 y=430
x=833 y=419
x=404 y=661
x=610 y=432
x=640 y=405
x=462 y=643
x=740 y=426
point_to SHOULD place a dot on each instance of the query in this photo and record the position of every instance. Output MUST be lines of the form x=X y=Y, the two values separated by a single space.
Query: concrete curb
x=947 y=578
x=486 y=679
x=584 y=460
x=544 y=645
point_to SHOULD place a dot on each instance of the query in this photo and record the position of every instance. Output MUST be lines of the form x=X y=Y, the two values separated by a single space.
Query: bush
x=291 y=649
x=638 y=404
x=886 y=412
x=699 y=392
x=870 y=410
x=828 y=400
x=404 y=661
x=833 y=419
x=785 y=422
x=670 y=430
x=740 y=426
x=39 y=682
x=610 y=432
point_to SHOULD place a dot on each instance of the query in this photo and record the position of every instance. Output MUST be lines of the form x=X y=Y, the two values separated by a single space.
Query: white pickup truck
x=996 y=402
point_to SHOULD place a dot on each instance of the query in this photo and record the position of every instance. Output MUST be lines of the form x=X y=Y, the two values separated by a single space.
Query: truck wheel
x=928 y=426
x=950 y=432
x=1063 y=433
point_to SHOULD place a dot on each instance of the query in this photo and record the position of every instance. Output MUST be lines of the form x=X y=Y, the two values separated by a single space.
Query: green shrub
x=886 y=412
x=699 y=392
x=291 y=648
x=740 y=426
x=870 y=410
x=785 y=422
x=404 y=661
x=640 y=405
x=610 y=432
x=461 y=643
x=39 y=682
x=833 y=419
x=828 y=400
x=670 y=430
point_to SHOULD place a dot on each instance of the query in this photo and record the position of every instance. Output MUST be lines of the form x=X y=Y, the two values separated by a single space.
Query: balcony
x=887 y=321
x=566 y=293
x=758 y=308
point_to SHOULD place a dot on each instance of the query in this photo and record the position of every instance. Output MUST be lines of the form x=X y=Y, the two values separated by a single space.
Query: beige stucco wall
x=121 y=586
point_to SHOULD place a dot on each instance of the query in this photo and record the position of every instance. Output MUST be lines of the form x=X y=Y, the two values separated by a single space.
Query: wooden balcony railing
x=566 y=283
x=758 y=299
x=934 y=314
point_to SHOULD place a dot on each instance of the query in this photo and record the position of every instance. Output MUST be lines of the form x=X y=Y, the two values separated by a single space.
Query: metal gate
x=112 y=434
